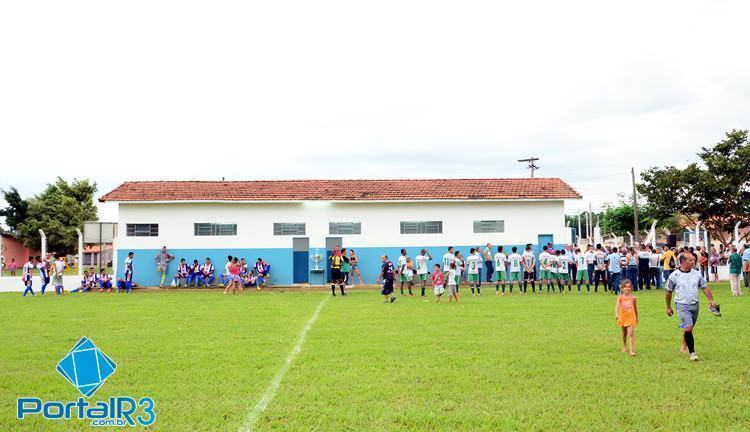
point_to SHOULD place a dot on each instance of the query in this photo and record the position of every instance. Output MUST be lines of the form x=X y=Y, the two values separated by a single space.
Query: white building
x=288 y=222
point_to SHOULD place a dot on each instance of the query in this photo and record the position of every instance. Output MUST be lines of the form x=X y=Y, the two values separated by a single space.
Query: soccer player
x=515 y=268
x=93 y=280
x=448 y=259
x=183 y=273
x=438 y=282
x=195 y=273
x=226 y=277
x=453 y=286
x=459 y=261
x=685 y=283
x=41 y=265
x=336 y=277
x=601 y=268
x=480 y=266
x=422 y=259
x=545 y=273
x=262 y=269
x=472 y=264
x=207 y=273
x=582 y=274
x=26 y=276
x=58 y=269
x=529 y=268
x=105 y=281
x=563 y=277
x=84 y=283
x=386 y=275
x=402 y=271
x=500 y=260
x=129 y=272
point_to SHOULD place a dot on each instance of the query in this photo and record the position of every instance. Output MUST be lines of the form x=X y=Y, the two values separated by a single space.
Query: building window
x=280 y=228
x=489 y=226
x=345 y=228
x=215 y=229
x=142 y=230
x=422 y=227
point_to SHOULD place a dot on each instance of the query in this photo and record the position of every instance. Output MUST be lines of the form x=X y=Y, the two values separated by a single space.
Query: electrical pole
x=532 y=165
x=635 y=208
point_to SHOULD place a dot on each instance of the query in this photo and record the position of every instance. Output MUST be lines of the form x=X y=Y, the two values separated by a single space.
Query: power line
x=531 y=164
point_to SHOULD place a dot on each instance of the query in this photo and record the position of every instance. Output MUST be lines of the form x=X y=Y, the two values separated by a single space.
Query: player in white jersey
x=563 y=277
x=600 y=272
x=43 y=266
x=590 y=262
x=129 y=272
x=26 y=276
x=499 y=260
x=448 y=259
x=545 y=268
x=529 y=269
x=405 y=274
x=422 y=259
x=473 y=272
x=514 y=268
x=582 y=273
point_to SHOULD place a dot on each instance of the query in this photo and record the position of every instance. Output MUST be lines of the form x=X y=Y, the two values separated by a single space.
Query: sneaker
x=693 y=357
x=393 y=299
x=716 y=310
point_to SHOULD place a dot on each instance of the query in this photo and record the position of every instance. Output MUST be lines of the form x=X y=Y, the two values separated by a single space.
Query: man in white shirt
x=515 y=269
x=590 y=262
x=529 y=266
x=545 y=268
x=403 y=276
x=422 y=259
x=448 y=259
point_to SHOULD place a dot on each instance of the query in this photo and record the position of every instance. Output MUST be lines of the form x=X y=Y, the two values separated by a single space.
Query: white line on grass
x=273 y=386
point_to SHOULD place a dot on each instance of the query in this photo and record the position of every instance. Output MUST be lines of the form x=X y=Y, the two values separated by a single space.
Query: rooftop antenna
x=532 y=164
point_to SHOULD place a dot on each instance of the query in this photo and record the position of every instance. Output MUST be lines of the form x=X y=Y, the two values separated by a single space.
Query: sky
x=182 y=90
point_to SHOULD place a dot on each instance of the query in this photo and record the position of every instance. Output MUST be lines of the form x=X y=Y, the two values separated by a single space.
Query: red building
x=12 y=248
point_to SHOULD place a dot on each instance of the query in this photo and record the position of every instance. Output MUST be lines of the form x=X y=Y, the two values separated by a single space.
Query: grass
x=549 y=362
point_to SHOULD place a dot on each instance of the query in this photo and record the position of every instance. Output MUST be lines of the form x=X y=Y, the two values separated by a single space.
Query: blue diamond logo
x=86 y=367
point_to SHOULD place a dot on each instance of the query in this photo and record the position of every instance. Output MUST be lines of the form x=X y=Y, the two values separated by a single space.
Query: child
x=234 y=275
x=12 y=266
x=626 y=314
x=452 y=287
x=226 y=277
x=438 y=282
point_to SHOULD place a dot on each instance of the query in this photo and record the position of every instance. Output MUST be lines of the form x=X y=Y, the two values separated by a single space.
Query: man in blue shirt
x=614 y=270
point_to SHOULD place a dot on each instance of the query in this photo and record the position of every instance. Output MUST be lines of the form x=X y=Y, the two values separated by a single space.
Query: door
x=301 y=258
x=331 y=243
x=543 y=240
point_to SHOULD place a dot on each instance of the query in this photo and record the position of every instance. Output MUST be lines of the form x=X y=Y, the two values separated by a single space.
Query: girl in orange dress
x=626 y=314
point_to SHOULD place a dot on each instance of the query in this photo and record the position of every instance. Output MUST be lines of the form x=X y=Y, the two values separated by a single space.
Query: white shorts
x=439 y=290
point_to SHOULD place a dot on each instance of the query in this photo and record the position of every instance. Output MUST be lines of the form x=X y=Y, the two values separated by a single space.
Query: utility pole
x=532 y=165
x=635 y=208
x=591 y=225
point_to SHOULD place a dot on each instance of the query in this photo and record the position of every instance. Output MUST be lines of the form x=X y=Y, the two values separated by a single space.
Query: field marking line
x=273 y=386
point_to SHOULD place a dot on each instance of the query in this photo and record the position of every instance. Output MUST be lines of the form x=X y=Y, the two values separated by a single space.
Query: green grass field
x=544 y=362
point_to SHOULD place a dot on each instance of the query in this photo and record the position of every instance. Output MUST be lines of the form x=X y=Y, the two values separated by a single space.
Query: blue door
x=543 y=240
x=301 y=259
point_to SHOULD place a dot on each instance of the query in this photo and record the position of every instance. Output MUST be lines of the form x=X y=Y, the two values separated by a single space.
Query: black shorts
x=387 y=287
x=528 y=275
x=336 y=275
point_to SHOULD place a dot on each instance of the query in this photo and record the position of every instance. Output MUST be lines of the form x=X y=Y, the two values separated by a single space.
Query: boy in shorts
x=438 y=282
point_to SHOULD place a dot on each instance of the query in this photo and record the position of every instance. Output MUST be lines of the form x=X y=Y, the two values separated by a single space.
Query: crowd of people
x=643 y=266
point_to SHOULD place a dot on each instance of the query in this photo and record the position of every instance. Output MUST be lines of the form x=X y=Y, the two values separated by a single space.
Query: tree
x=716 y=194
x=618 y=218
x=17 y=209
x=58 y=211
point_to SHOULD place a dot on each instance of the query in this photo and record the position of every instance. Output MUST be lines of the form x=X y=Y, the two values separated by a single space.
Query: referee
x=685 y=283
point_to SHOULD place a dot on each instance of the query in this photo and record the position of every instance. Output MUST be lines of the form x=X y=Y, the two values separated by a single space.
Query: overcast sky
x=146 y=90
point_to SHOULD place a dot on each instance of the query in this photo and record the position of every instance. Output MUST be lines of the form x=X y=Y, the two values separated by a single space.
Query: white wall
x=524 y=220
x=14 y=284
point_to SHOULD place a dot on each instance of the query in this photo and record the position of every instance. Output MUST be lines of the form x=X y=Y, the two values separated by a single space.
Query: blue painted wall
x=281 y=260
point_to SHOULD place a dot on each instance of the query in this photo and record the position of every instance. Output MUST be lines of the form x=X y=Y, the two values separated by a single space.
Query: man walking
x=685 y=283
x=614 y=270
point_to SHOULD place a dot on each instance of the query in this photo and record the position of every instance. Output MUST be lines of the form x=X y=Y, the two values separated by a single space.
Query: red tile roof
x=343 y=190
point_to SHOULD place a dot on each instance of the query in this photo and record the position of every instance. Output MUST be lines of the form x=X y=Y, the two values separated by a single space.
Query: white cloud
x=183 y=90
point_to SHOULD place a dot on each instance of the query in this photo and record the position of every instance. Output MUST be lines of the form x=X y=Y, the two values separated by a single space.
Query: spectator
x=162 y=260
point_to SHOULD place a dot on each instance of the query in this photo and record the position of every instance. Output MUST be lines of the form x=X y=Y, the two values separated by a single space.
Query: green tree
x=717 y=194
x=618 y=218
x=16 y=211
x=58 y=211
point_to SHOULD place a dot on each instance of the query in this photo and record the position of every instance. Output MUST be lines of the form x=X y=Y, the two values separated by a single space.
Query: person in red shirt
x=438 y=282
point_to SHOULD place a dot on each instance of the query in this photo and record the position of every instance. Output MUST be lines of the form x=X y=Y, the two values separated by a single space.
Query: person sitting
x=105 y=281
x=121 y=285
x=250 y=279
x=84 y=283
x=207 y=273
x=183 y=274
x=195 y=273
x=93 y=279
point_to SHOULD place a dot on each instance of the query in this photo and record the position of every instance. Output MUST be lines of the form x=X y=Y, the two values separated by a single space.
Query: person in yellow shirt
x=669 y=259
